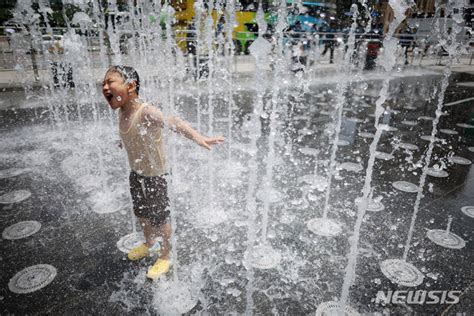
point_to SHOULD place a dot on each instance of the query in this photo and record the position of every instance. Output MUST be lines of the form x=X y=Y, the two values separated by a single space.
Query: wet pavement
x=78 y=182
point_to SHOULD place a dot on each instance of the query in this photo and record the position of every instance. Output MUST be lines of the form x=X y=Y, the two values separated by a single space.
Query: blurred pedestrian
x=330 y=42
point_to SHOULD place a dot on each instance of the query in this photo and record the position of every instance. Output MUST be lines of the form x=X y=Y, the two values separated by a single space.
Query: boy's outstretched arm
x=178 y=125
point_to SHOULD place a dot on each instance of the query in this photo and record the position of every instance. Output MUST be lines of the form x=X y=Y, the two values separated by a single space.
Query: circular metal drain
x=309 y=151
x=437 y=173
x=108 y=201
x=332 y=308
x=342 y=142
x=426 y=118
x=448 y=131
x=350 y=166
x=409 y=123
x=305 y=131
x=366 y=135
x=324 y=227
x=14 y=196
x=465 y=125
x=174 y=297
x=21 y=230
x=373 y=206
x=383 y=156
x=468 y=211
x=106 y=208
x=401 y=272
x=262 y=257
x=318 y=182
x=130 y=241
x=445 y=239
x=13 y=172
x=32 y=278
x=271 y=196
x=408 y=146
x=354 y=119
x=405 y=186
x=388 y=128
x=428 y=138
x=460 y=160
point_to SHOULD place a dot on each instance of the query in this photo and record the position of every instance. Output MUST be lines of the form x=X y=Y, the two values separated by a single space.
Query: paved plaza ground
x=77 y=178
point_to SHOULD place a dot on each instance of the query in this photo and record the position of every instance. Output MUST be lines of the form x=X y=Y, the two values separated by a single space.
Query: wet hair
x=129 y=74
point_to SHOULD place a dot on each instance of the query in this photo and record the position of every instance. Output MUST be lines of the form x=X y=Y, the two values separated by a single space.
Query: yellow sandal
x=142 y=251
x=160 y=267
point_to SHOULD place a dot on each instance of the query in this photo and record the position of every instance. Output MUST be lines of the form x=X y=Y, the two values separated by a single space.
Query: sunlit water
x=265 y=222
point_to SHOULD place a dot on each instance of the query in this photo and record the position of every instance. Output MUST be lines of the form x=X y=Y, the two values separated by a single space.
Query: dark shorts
x=150 y=198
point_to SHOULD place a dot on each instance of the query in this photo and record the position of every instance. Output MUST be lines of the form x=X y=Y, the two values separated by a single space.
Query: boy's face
x=115 y=90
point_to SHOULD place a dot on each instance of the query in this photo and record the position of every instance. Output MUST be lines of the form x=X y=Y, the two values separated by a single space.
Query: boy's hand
x=206 y=142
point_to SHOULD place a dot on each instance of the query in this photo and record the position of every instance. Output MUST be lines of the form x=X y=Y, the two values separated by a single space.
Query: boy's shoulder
x=149 y=108
x=151 y=112
x=151 y=105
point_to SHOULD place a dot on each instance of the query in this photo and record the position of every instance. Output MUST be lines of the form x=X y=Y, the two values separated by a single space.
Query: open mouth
x=108 y=96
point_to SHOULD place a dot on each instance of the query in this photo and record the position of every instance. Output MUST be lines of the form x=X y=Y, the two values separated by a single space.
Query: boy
x=140 y=128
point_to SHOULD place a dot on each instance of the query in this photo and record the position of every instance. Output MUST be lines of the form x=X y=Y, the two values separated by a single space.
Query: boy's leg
x=162 y=265
x=149 y=231
x=152 y=232
x=164 y=231
x=143 y=250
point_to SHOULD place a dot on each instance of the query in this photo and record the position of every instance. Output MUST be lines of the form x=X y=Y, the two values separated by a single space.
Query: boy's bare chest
x=125 y=124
